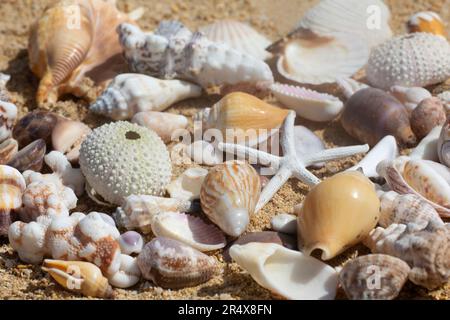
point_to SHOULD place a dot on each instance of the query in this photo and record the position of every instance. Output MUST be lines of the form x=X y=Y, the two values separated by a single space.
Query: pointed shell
x=443 y=145
x=229 y=195
x=374 y=277
x=324 y=214
x=166 y=125
x=188 y=185
x=285 y=272
x=12 y=186
x=426 y=21
x=410 y=97
x=173 y=265
x=29 y=158
x=428 y=114
x=8 y=116
x=67 y=137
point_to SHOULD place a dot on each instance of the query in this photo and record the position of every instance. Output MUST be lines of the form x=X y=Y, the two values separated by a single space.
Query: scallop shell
x=239 y=36
x=285 y=272
x=8 y=116
x=131 y=93
x=35 y=125
x=413 y=60
x=410 y=97
x=443 y=145
x=166 y=125
x=173 y=265
x=29 y=158
x=229 y=195
x=374 y=277
x=67 y=137
x=8 y=149
x=307 y=103
x=12 y=186
x=74 y=40
x=324 y=214
x=428 y=114
x=426 y=21
x=188 y=185
x=427 y=149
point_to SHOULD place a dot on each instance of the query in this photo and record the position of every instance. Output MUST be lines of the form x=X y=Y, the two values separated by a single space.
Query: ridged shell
x=173 y=265
x=410 y=97
x=229 y=195
x=426 y=21
x=8 y=116
x=29 y=158
x=324 y=214
x=129 y=94
x=67 y=137
x=443 y=145
x=428 y=114
x=374 y=277
x=12 y=186
x=413 y=60
x=239 y=36
x=8 y=149
x=35 y=125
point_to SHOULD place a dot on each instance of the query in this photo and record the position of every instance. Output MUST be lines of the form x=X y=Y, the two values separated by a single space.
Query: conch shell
x=72 y=41
x=324 y=215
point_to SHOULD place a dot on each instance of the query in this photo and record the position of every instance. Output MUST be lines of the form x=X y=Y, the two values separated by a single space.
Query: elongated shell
x=443 y=145
x=29 y=158
x=371 y=114
x=229 y=195
x=163 y=123
x=78 y=276
x=426 y=21
x=285 y=272
x=324 y=214
x=174 y=265
x=374 y=277
x=131 y=93
x=12 y=186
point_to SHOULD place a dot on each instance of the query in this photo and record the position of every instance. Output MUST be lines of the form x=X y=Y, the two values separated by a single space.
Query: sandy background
x=274 y=18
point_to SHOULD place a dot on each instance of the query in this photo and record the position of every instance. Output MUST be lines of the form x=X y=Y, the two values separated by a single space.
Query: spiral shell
x=229 y=195
x=12 y=186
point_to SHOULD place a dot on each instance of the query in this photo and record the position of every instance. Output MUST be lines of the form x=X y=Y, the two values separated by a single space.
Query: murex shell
x=12 y=186
x=324 y=215
x=229 y=195
x=374 y=277
x=130 y=93
x=73 y=40
x=173 y=51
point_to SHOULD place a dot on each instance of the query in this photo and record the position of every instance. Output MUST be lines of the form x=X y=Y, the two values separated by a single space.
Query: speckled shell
x=173 y=265
x=121 y=159
x=428 y=114
x=371 y=114
x=229 y=195
x=426 y=21
x=29 y=158
x=8 y=149
x=67 y=137
x=374 y=277
x=173 y=51
x=35 y=125
x=413 y=60
x=12 y=186
x=324 y=215
x=163 y=123
x=443 y=146
x=8 y=116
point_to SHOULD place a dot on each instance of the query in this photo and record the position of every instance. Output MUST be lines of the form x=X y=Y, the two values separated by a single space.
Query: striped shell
x=229 y=195
x=8 y=149
x=12 y=186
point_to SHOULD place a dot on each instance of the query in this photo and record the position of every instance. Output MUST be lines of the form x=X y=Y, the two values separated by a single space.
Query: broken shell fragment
x=188 y=185
x=163 y=123
x=67 y=137
x=428 y=114
x=8 y=149
x=29 y=158
x=427 y=149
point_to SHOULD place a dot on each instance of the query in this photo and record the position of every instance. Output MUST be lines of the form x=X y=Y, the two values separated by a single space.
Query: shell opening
x=131 y=135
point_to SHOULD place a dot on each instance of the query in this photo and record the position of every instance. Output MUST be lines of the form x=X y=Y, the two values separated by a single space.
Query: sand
x=274 y=18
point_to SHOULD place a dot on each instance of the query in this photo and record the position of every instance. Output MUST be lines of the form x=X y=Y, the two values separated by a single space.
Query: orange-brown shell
x=428 y=21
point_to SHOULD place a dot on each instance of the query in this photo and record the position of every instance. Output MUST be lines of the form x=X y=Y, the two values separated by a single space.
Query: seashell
x=324 y=214
x=374 y=277
x=239 y=36
x=385 y=149
x=413 y=60
x=350 y=86
x=426 y=21
x=34 y=126
x=285 y=223
x=67 y=137
x=74 y=40
x=187 y=186
x=128 y=274
x=189 y=230
x=425 y=251
x=78 y=276
x=302 y=58
x=288 y=273
x=8 y=149
x=173 y=51
x=131 y=242
x=163 y=123
x=12 y=186
x=129 y=94
x=307 y=103
x=121 y=159
x=420 y=177
x=138 y=211
x=229 y=195
x=427 y=149
x=371 y=114
x=8 y=116
x=445 y=98
x=173 y=265
x=428 y=114
x=29 y=158
x=204 y=153
x=410 y=97
x=4 y=79
x=443 y=144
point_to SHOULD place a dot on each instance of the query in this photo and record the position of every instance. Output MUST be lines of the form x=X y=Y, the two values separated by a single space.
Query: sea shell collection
x=179 y=231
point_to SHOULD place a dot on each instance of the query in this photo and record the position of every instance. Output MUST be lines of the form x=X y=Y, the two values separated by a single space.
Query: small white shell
x=410 y=97
x=202 y=152
x=163 y=123
x=350 y=86
x=427 y=149
x=187 y=186
x=8 y=116
x=128 y=274
x=288 y=273
x=285 y=223
x=131 y=242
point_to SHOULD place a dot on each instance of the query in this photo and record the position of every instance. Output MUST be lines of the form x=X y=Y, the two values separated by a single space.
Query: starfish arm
x=277 y=181
x=243 y=151
x=334 y=154
x=287 y=134
x=305 y=176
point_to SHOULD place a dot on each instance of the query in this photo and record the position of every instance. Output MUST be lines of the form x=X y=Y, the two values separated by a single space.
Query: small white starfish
x=290 y=164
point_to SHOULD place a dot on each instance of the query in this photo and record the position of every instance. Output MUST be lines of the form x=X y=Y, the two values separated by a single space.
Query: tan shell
x=12 y=186
x=428 y=114
x=67 y=137
x=426 y=21
x=8 y=149
x=374 y=277
x=324 y=215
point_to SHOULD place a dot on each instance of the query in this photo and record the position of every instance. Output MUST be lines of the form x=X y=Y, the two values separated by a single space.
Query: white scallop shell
x=187 y=186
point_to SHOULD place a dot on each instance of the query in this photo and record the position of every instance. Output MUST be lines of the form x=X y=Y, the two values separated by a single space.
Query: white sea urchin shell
x=121 y=159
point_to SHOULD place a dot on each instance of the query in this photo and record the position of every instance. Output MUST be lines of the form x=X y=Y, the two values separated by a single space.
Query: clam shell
x=34 y=126
x=410 y=97
x=188 y=185
x=285 y=272
x=173 y=265
x=8 y=149
x=8 y=116
x=443 y=145
x=324 y=214
x=426 y=21
x=163 y=123
x=12 y=186
x=67 y=137
x=428 y=114
x=374 y=277
x=229 y=195
x=29 y=158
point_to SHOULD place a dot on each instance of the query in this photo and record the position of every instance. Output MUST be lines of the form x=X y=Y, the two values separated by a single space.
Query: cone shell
x=443 y=147
x=374 y=277
x=426 y=21
x=324 y=214
x=173 y=265
x=12 y=186
x=229 y=195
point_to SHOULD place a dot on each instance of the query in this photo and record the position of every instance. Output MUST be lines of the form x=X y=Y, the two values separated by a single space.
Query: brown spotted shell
x=29 y=158
x=35 y=125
